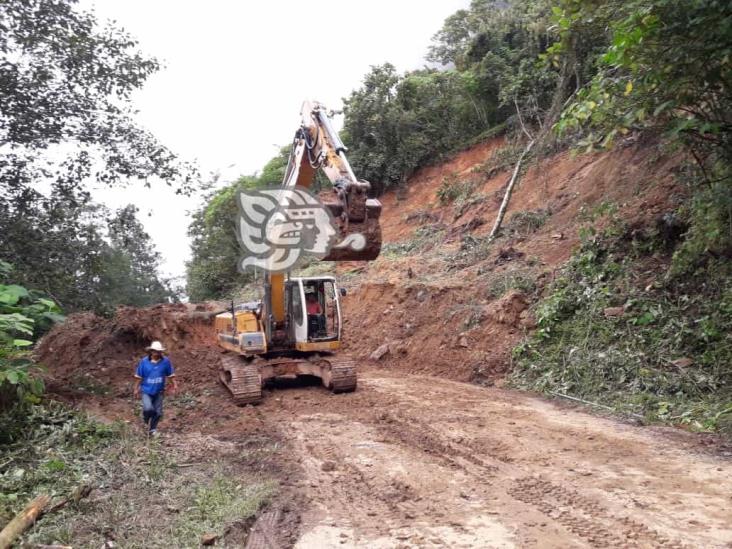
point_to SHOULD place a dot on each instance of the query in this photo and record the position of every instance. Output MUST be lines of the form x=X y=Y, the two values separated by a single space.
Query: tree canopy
x=66 y=120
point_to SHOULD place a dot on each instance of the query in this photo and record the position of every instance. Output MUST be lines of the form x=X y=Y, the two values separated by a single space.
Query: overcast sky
x=235 y=74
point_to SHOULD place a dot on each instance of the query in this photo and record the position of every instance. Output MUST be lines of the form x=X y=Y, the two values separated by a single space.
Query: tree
x=65 y=88
x=212 y=272
x=24 y=316
x=667 y=67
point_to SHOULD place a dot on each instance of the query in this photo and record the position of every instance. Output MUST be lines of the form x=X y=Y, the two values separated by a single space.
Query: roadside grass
x=145 y=493
x=617 y=330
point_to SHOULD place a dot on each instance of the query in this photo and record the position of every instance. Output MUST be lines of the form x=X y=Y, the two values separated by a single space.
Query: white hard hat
x=156 y=346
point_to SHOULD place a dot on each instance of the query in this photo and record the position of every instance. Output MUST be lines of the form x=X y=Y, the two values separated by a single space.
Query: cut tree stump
x=23 y=521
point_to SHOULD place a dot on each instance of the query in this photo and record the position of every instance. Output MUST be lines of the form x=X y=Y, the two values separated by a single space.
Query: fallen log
x=23 y=521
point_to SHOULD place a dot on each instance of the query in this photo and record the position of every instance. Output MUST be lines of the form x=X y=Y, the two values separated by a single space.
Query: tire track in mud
x=586 y=518
x=409 y=463
x=578 y=514
x=367 y=505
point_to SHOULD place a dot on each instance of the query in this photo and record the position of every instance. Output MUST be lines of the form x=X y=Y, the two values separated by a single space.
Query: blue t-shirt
x=153 y=374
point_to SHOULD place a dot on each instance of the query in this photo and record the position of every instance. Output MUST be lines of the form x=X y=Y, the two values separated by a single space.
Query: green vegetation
x=24 y=316
x=141 y=499
x=526 y=222
x=423 y=238
x=67 y=120
x=664 y=69
x=215 y=253
x=655 y=346
x=55 y=451
x=488 y=66
x=517 y=279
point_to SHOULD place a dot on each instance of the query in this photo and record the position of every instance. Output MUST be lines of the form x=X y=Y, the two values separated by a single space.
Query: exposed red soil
x=425 y=309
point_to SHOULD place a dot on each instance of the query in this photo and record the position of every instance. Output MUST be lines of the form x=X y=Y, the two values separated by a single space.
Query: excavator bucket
x=357 y=220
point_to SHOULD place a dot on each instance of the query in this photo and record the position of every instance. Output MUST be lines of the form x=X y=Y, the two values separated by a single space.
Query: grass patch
x=423 y=238
x=520 y=280
x=216 y=506
x=526 y=222
x=473 y=249
x=455 y=190
x=146 y=493
x=502 y=159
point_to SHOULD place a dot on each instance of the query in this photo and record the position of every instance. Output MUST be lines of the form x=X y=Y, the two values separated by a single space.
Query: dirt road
x=411 y=461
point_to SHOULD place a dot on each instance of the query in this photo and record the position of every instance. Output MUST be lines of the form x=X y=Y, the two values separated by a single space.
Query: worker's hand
x=136 y=392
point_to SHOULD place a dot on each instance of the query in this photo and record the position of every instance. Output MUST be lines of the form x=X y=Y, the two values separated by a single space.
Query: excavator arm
x=317 y=146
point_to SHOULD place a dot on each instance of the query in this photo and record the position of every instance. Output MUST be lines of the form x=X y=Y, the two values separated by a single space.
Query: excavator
x=296 y=328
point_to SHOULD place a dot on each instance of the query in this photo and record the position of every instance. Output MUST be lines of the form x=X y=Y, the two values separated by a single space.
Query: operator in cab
x=313 y=307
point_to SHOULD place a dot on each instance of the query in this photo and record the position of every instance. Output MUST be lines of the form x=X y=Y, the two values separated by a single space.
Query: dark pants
x=152 y=409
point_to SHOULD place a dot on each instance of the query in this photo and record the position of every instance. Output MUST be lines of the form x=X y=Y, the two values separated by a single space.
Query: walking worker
x=151 y=373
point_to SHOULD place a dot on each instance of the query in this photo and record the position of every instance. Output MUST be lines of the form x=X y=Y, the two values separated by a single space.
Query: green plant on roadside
x=55 y=449
x=709 y=237
x=24 y=316
x=142 y=495
x=606 y=335
x=218 y=504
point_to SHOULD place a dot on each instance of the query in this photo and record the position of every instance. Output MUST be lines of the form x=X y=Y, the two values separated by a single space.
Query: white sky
x=235 y=74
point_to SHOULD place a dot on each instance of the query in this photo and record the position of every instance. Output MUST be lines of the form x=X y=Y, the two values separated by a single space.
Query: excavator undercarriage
x=245 y=380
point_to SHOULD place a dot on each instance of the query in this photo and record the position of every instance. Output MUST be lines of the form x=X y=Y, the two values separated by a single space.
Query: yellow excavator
x=296 y=329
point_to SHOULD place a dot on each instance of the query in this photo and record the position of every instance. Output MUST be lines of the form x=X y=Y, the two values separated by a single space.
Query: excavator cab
x=315 y=314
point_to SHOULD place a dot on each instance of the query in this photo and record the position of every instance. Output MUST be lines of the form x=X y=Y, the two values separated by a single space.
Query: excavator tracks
x=242 y=380
x=342 y=375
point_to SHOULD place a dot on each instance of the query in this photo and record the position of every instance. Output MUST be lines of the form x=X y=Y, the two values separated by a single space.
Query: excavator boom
x=318 y=146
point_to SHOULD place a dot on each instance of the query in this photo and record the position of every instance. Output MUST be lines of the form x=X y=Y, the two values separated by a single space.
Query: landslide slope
x=446 y=301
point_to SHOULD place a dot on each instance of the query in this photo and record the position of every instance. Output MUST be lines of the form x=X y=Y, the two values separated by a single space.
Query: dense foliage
x=489 y=70
x=24 y=316
x=659 y=350
x=65 y=87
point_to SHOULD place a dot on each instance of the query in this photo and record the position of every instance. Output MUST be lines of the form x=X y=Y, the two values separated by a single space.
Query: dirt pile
x=88 y=354
x=445 y=296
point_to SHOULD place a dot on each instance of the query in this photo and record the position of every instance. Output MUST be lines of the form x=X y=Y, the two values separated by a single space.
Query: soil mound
x=447 y=302
x=88 y=353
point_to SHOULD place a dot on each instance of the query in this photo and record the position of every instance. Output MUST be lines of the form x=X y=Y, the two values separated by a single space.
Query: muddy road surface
x=411 y=461
x=417 y=461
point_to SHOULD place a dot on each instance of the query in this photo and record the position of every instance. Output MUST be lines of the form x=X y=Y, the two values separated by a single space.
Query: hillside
x=466 y=304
